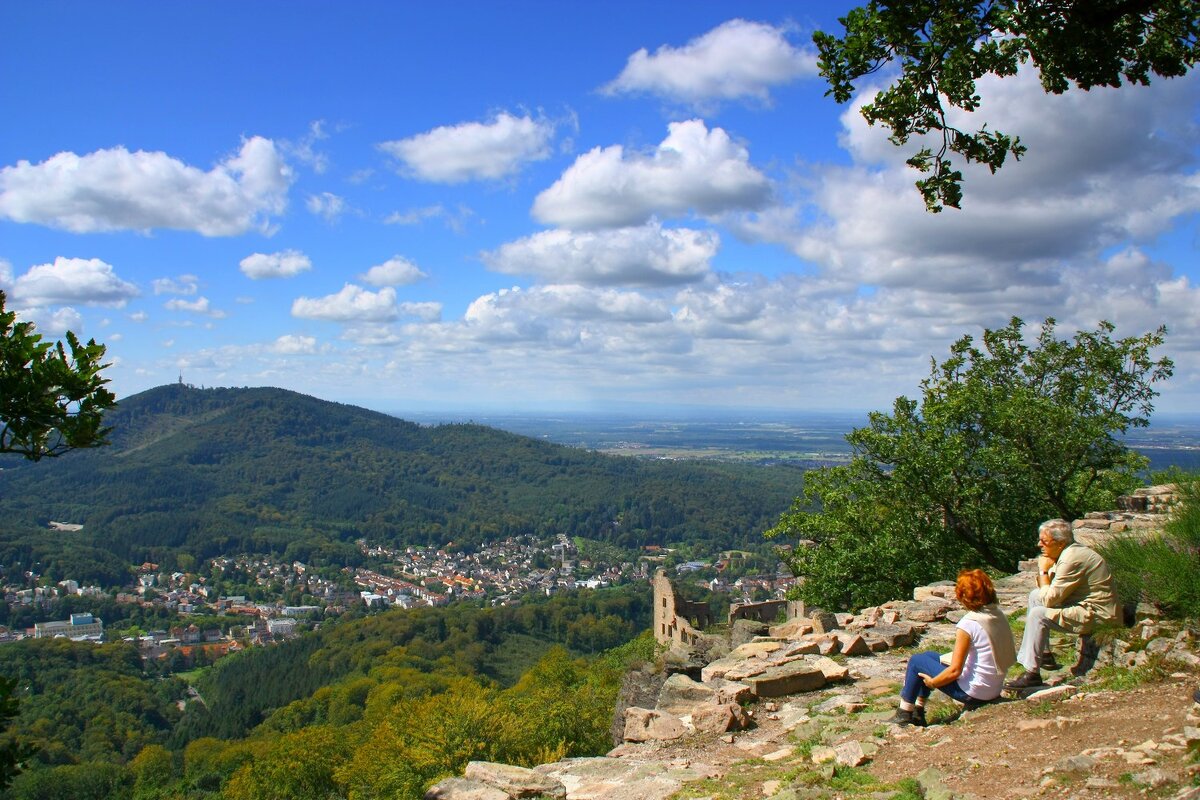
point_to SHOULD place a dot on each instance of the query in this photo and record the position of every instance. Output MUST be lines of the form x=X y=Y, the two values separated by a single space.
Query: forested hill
x=210 y=471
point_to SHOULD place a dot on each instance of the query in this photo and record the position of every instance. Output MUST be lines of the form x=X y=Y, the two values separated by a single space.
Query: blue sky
x=546 y=205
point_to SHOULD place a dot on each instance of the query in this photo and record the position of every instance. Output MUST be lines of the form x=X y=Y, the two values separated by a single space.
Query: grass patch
x=1120 y=679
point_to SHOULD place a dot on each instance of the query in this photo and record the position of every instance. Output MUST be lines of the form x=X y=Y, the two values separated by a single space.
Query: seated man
x=1074 y=594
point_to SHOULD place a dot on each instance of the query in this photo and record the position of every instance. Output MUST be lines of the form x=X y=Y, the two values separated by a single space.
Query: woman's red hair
x=974 y=589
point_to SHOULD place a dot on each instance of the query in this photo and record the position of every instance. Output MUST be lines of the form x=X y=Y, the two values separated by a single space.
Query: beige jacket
x=1080 y=597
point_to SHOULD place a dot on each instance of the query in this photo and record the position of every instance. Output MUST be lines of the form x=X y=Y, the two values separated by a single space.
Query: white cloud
x=6 y=274
x=396 y=271
x=73 y=280
x=456 y=219
x=351 y=304
x=737 y=59
x=115 y=189
x=474 y=150
x=200 y=305
x=305 y=150
x=284 y=264
x=1104 y=167
x=649 y=255
x=693 y=169
x=426 y=312
x=184 y=284
x=326 y=205
x=53 y=323
x=139 y=316
x=293 y=344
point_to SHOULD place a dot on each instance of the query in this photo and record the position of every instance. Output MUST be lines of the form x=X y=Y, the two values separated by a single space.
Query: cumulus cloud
x=396 y=271
x=473 y=150
x=88 y=281
x=53 y=323
x=351 y=304
x=6 y=274
x=693 y=169
x=649 y=255
x=426 y=312
x=200 y=305
x=564 y=302
x=737 y=59
x=184 y=284
x=326 y=205
x=115 y=189
x=284 y=264
x=294 y=344
x=455 y=219
x=1104 y=167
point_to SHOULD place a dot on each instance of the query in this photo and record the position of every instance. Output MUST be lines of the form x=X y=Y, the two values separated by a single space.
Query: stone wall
x=677 y=621
x=767 y=611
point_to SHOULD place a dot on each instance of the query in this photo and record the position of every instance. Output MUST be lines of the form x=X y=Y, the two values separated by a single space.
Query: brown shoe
x=1026 y=680
x=1089 y=651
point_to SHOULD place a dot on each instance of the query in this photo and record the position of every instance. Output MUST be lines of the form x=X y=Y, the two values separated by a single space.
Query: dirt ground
x=1002 y=751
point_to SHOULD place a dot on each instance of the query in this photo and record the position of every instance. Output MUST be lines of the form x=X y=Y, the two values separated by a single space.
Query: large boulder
x=680 y=694
x=898 y=635
x=516 y=782
x=625 y=779
x=792 y=629
x=784 y=679
x=719 y=718
x=646 y=725
x=640 y=688
x=463 y=789
x=744 y=630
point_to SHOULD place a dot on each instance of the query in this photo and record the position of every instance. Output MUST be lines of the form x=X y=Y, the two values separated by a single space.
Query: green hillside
x=211 y=471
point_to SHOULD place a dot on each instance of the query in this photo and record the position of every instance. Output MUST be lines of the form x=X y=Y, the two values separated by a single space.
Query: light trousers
x=1036 y=639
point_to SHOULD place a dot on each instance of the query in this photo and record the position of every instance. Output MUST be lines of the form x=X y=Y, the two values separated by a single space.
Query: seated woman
x=983 y=652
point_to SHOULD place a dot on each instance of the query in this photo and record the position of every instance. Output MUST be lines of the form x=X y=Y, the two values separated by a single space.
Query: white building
x=79 y=626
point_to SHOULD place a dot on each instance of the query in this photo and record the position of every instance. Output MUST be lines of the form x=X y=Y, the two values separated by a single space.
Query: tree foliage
x=943 y=47
x=1004 y=436
x=50 y=401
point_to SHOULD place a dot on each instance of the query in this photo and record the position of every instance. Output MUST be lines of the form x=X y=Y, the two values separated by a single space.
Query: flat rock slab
x=623 y=779
x=463 y=789
x=1052 y=693
x=680 y=695
x=514 y=781
x=785 y=679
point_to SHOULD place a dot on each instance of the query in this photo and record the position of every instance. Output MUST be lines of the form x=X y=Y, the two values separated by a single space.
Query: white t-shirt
x=980 y=678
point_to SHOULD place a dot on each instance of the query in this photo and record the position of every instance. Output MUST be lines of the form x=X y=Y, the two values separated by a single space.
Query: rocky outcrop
x=770 y=678
x=484 y=780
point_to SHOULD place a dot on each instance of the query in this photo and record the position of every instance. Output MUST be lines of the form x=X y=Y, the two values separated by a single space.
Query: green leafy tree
x=50 y=401
x=1004 y=436
x=943 y=46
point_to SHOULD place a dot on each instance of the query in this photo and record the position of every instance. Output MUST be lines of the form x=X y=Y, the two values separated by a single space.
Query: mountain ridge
x=211 y=471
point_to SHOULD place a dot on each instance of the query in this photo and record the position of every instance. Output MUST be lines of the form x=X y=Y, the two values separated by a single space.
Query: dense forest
x=394 y=700
x=221 y=471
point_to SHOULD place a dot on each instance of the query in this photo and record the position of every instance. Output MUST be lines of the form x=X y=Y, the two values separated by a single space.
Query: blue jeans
x=929 y=663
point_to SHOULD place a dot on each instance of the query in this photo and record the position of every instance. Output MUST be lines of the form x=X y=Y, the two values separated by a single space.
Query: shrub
x=1162 y=570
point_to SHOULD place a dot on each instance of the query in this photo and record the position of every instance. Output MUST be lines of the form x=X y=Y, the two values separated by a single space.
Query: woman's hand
x=927 y=680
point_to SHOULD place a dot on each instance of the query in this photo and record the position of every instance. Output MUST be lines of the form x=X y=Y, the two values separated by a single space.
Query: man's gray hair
x=1059 y=530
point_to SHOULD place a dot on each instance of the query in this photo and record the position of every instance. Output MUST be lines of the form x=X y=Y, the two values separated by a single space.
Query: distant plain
x=805 y=440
